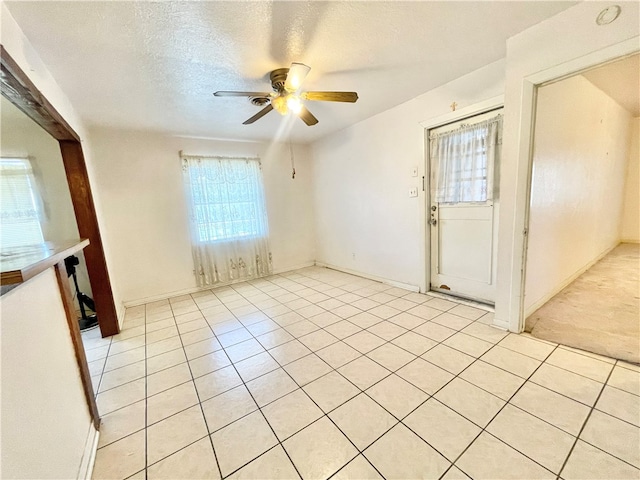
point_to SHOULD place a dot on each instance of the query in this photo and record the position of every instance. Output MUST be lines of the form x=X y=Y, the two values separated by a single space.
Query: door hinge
x=423 y=183
x=525 y=232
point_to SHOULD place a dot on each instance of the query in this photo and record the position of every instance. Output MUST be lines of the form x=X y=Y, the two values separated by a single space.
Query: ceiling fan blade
x=241 y=94
x=259 y=115
x=350 y=97
x=307 y=117
x=297 y=73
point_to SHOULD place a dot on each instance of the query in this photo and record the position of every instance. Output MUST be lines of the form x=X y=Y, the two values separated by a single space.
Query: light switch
x=414 y=172
x=413 y=192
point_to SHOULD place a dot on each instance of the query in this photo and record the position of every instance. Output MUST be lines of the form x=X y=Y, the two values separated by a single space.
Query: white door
x=462 y=209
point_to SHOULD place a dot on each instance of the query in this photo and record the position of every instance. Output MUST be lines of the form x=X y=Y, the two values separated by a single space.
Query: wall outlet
x=414 y=172
x=413 y=192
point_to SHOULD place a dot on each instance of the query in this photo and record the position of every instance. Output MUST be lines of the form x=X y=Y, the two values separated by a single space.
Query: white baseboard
x=294 y=267
x=502 y=325
x=120 y=314
x=89 y=455
x=386 y=281
x=539 y=303
x=187 y=291
x=163 y=296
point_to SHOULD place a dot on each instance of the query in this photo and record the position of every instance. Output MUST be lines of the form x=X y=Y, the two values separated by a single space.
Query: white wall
x=40 y=439
x=22 y=137
x=365 y=220
x=46 y=423
x=568 y=42
x=631 y=211
x=139 y=177
x=579 y=166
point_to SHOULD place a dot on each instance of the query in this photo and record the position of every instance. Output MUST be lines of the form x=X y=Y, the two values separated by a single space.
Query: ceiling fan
x=287 y=95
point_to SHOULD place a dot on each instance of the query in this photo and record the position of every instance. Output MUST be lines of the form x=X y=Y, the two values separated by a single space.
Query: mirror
x=26 y=145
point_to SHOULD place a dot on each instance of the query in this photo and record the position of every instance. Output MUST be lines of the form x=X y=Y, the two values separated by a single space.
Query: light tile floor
x=316 y=373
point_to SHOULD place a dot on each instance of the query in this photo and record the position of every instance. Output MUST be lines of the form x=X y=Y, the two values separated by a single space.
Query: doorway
x=582 y=258
x=463 y=160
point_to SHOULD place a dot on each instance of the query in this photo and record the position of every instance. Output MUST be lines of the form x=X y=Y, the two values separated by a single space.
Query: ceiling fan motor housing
x=278 y=79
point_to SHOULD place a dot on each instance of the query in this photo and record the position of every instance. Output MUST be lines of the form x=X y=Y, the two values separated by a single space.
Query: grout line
x=432 y=396
x=483 y=429
x=621 y=390
x=584 y=424
x=122 y=438
x=308 y=396
x=146 y=446
x=333 y=369
x=259 y=409
x=133 y=474
x=577 y=374
x=634 y=367
x=310 y=352
x=215 y=456
x=97 y=388
x=360 y=390
x=281 y=366
x=342 y=340
x=365 y=459
x=181 y=448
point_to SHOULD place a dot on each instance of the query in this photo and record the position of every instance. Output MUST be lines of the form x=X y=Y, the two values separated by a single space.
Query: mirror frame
x=20 y=90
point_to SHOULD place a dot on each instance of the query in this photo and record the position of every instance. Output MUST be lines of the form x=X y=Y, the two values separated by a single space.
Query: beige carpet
x=600 y=311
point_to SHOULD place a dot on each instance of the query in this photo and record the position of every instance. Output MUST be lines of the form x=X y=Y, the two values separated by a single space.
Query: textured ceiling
x=621 y=81
x=155 y=65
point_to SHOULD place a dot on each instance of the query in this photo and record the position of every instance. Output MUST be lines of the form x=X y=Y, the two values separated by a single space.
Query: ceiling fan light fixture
x=294 y=104
x=295 y=76
x=280 y=105
x=285 y=104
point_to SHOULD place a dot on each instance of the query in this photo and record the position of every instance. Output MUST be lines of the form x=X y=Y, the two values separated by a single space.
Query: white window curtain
x=20 y=205
x=465 y=162
x=228 y=218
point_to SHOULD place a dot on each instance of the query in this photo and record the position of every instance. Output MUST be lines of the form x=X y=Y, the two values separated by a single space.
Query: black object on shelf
x=85 y=301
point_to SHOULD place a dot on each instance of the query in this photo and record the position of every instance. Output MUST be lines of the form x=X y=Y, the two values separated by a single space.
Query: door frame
x=513 y=308
x=18 y=88
x=435 y=122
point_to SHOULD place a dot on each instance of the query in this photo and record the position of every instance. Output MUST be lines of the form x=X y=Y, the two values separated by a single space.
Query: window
x=465 y=160
x=227 y=199
x=19 y=204
x=228 y=218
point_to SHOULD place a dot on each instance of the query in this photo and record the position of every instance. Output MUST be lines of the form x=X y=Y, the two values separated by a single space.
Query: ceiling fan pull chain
x=293 y=167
